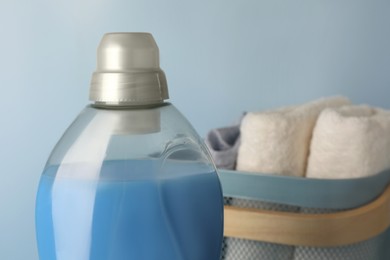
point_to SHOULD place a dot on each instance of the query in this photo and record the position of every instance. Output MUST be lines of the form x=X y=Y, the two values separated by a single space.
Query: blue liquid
x=176 y=217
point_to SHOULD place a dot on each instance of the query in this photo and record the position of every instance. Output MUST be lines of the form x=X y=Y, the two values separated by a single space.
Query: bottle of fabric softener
x=130 y=179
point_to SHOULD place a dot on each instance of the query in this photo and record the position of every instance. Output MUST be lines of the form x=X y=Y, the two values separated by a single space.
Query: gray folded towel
x=223 y=144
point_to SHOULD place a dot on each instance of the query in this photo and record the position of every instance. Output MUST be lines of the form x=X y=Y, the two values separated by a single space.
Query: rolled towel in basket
x=348 y=142
x=275 y=142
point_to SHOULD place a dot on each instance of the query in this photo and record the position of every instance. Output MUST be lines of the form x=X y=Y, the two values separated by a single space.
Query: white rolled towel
x=278 y=141
x=350 y=142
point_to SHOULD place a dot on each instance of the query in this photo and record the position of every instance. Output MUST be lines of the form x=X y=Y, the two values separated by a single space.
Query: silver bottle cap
x=128 y=71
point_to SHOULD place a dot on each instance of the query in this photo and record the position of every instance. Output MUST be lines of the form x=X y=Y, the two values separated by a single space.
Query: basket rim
x=303 y=192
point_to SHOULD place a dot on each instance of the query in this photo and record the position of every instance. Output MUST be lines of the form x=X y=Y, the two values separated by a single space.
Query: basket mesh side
x=243 y=249
x=371 y=249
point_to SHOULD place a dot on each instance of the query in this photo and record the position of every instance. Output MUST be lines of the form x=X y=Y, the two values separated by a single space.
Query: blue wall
x=221 y=58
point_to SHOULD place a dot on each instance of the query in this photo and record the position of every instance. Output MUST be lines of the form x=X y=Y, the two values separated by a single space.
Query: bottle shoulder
x=152 y=133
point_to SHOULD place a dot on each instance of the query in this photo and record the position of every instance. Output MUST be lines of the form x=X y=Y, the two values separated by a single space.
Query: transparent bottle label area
x=175 y=216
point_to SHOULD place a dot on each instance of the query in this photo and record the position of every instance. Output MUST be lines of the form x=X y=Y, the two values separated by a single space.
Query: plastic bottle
x=130 y=179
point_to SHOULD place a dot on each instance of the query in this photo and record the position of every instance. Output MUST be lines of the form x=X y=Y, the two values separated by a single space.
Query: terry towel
x=275 y=142
x=348 y=142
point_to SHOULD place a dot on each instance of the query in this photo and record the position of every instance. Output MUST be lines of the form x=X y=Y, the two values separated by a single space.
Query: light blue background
x=220 y=57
